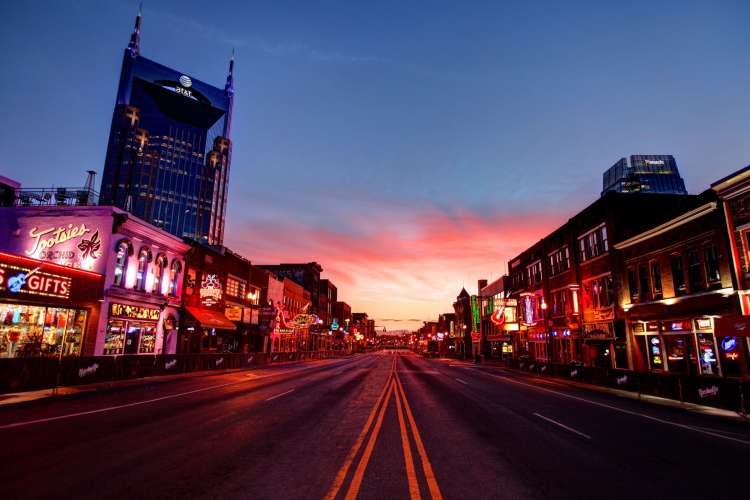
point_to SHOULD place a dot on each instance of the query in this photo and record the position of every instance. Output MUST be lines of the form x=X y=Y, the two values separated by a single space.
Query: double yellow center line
x=392 y=386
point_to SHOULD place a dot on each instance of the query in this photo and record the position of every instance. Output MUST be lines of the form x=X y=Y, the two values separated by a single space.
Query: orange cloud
x=397 y=264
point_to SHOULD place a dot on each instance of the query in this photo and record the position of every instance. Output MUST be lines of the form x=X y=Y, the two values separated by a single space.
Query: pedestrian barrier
x=27 y=374
x=720 y=392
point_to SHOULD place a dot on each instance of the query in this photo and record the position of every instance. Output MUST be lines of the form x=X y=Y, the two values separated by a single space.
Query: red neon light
x=498 y=317
x=48 y=265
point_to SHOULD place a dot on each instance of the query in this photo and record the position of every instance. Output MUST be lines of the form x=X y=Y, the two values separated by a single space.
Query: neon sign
x=24 y=280
x=210 y=292
x=133 y=312
x=48 y=238
x=729 y=344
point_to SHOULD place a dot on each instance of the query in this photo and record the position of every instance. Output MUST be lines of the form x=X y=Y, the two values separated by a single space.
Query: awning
x=211 y=319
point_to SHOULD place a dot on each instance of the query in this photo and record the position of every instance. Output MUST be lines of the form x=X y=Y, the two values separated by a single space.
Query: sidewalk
x=9 y=399
x=693 y=407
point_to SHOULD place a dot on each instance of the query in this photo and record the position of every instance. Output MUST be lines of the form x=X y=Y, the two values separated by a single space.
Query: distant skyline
x=411 y=149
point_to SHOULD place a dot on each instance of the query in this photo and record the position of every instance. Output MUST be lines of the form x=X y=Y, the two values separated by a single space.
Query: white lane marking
x=117 y=407
x=279 y=395
x=147 y=401
x=622 y=410
x=562 y=425
x=460 y=380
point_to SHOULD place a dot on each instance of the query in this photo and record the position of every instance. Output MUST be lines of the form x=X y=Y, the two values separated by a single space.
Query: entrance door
x=132 y=337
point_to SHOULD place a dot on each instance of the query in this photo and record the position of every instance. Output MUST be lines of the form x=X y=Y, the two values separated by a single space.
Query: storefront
x=207 y=330
x=733 y=345
x=598 y=345
x=46 y=309
x=684 y=346
x=131 y=329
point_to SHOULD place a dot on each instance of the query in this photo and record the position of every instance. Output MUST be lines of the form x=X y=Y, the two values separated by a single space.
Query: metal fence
x=62 y=196
x=25 y=374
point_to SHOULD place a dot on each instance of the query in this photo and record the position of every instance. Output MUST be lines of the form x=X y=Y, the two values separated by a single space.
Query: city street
x=380 y=425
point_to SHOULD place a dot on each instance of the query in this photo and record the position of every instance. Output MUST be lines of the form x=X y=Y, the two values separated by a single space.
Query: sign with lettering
x=78 y=240
x=233 y=313
x=26 y=280
x=210 y=292
x=133 y=312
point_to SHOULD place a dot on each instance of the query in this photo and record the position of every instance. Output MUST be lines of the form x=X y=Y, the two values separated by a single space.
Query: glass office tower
x=644 y=174
x=169 y=150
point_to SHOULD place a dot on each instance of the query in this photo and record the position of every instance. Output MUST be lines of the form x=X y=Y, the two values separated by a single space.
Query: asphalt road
x=376 y=426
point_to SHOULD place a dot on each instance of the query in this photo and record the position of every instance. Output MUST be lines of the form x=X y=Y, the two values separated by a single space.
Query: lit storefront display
x=131 y=329
x=45 y=308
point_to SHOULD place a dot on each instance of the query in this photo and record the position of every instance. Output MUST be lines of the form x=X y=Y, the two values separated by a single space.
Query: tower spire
x=135 y=38
x=229 y=87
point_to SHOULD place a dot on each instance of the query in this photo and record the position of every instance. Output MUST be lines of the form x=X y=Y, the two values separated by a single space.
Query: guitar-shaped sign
x=17 y=282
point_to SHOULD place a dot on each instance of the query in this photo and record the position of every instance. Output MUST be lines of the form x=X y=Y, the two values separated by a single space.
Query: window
x=678 y=274
x=643 y=283
x=593 y=244
x=144 y=257
x=599 y=292
x=159 y=266
x=712 y=264
x=236 y=287
x=560 y=303
x=534 y=272
x=121 y=262
x=633 y=285
x=559 y=261
x=695 y=276
x=174 y=275
x=656 y=289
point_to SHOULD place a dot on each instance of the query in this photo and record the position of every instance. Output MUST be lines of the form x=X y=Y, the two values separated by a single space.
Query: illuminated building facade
x=644 y=174
x=142 y=267
x=677 y=286
x=169 y=148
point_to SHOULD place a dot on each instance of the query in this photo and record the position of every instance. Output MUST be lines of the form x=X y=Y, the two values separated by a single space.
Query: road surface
x=377 y=426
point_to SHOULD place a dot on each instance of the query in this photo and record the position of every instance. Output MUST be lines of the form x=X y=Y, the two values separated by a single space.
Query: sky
x=410 y=148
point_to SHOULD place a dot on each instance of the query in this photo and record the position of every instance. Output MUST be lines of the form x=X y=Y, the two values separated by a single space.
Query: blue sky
x=361 y=124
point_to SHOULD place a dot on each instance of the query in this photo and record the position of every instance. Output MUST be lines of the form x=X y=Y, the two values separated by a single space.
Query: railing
x=720 y=392
x=62 y=196
x=25 y=374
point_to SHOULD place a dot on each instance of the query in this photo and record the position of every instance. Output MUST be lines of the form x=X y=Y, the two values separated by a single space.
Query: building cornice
x=670 y=224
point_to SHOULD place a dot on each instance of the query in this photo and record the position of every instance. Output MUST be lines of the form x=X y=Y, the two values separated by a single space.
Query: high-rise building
x=169 y=147
x=644 y=174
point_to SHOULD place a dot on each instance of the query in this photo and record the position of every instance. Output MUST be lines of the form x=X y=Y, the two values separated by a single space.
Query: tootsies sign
x=18 y=278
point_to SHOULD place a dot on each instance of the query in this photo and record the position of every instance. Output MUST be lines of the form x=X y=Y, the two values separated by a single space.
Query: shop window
x=122 y=252
x=33 y=331
x=732 y=351
x=712 y=264
x=678 y=274
x=655 y=354
x=707 y=354
x=656 y=289
x=643 y=283
x=621 y=355
x=159 y=267
x=677 y=353
x=114 y=337
x=174 y=276
x=633 y=286
x=695 y=275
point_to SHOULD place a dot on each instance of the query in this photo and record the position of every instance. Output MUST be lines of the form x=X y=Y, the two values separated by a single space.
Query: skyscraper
x=644 y=174
x=169 y=147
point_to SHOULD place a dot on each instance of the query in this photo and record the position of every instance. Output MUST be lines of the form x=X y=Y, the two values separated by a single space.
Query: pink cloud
x=397 y=263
